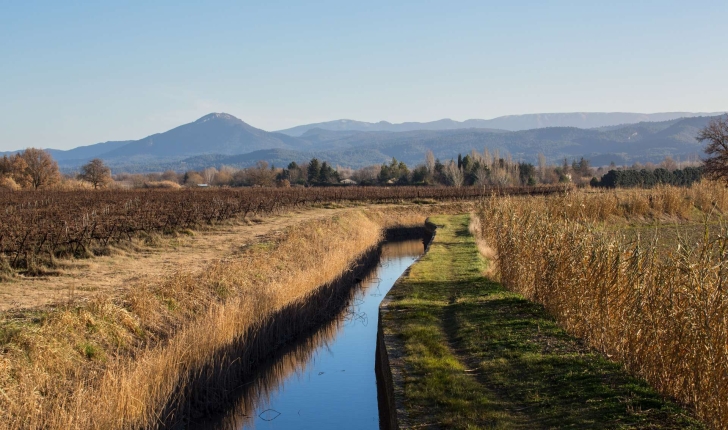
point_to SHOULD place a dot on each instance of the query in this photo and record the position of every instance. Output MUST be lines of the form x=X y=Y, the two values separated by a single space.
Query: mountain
x=221 y=139
x=351 y=125
x=216 y=133
x=507 y=123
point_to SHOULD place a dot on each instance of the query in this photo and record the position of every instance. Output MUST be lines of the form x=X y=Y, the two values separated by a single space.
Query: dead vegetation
x=659 y=311
x=119 y=361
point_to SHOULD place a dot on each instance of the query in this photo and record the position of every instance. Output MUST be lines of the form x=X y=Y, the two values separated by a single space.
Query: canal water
x=325 y=380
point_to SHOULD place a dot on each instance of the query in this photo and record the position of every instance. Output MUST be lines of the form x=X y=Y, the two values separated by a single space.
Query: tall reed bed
x=121 y=362
x=663 y=314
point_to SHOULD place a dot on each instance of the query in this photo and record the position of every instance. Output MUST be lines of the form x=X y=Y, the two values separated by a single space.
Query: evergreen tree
x=314 y=170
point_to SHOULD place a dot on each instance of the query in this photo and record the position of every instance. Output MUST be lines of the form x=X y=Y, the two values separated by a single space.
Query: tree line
x=35 y=168
x=649 y=178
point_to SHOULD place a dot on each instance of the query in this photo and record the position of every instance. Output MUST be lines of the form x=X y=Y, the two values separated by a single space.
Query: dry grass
x=663 y=202
x=119 y=362
x=661 y=313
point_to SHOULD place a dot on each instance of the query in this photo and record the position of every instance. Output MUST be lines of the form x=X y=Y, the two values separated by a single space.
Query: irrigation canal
x=327 y=379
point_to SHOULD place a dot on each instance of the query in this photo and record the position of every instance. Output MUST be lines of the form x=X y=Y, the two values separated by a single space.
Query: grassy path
x=474 y=355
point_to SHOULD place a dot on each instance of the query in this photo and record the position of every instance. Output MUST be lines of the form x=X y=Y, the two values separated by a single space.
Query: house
x=348 y=182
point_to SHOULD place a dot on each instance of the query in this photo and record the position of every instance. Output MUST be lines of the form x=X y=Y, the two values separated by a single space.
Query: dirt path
x=81 y=278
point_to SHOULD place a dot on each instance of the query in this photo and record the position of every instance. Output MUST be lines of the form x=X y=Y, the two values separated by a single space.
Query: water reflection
x=325 y=380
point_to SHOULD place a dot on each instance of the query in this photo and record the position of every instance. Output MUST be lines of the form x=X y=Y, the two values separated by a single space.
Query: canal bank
x=463 y=352
x=324 y=377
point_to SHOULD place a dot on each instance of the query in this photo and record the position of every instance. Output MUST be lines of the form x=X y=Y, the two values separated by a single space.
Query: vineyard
x=40 y=226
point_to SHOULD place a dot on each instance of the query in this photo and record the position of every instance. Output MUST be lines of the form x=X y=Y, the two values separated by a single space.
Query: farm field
x=38 y=227
x=143 y=261
x=235 y=276
x=638 y=275
x=115 y=320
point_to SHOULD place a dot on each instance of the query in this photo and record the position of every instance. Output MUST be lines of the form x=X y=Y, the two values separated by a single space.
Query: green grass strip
x=478 y=356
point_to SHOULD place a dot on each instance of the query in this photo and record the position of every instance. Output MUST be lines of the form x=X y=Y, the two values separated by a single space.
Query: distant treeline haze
x=33 y=169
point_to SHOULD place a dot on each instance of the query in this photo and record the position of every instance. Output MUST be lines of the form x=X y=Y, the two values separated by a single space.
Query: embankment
x=154 y=353
x=464 y=352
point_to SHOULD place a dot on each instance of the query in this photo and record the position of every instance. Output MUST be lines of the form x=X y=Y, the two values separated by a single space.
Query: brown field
x=140 y=261
x=633 y=273
x=101 y=339
x=115 y=357
x=38 y=227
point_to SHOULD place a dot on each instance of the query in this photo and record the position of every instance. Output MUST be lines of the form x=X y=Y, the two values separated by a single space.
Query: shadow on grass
x=479 y=356
x=538 y=369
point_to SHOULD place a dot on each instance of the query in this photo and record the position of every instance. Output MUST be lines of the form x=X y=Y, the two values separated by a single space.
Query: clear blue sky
x=77 y=73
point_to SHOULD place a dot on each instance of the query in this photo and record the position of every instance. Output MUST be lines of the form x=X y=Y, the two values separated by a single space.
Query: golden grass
x=121 y=362
x=662 y=314
x=662 y=202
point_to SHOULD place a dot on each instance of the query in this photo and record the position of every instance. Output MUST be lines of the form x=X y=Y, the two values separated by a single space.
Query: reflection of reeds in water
x=405 y=248
x=293 y=359
x=257 y=392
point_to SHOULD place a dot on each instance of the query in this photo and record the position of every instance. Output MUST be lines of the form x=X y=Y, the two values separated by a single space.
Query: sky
x=77 y=73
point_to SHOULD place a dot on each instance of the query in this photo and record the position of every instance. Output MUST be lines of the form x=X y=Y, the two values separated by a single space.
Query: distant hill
x=216 y=133
x=508 y=123
x=351 y=125
x=221 y=139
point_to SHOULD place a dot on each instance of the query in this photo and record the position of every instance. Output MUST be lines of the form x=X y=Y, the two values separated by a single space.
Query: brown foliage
x=108 y=363
x=41 y=168
x=660 y=311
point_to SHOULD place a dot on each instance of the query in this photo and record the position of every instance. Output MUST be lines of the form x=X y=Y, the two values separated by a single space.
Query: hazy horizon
x=76 y=75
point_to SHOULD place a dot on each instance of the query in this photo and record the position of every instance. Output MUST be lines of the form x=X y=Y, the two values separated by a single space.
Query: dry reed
x=118 y=363
x=662 y=314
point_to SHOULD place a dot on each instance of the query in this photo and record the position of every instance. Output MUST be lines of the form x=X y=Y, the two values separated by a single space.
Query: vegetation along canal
x=325 y=380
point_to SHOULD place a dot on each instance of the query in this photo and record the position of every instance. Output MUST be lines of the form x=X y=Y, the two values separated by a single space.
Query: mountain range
x=509 y=122
x=221 y=139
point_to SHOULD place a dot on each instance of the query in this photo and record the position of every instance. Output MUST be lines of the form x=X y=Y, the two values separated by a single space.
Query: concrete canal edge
x=389 y=362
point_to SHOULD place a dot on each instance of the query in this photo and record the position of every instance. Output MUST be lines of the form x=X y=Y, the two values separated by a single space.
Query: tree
x=482 y=175
x=314 y=170
x=454 y=174
x=170 y=175
x=41 y=168
x=192 y=179
x=261 y=175
x=430 y=162
x=15 y=169
x=209 y=174
x=716 y=134
x=95 y=172
x=395 y=170
x=327 y=174
x=541 y=166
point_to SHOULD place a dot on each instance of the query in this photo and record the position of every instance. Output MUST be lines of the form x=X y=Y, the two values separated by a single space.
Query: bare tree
x=430 y=162
x=669 y=164
x=481 y=176
x=209 y=174
x=454 y=174
x=262 y=175
x=41 y=168
x=716 y=134
x=486 y=158
x=95 y=172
